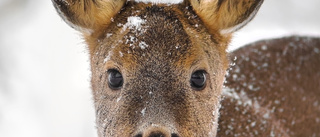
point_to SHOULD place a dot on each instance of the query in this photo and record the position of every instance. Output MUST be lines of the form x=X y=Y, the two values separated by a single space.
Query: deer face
x=157 y=70
x=157 y=76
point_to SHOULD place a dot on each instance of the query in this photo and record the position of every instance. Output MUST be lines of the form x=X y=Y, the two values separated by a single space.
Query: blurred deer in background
x=158 y=71
x=273 y=89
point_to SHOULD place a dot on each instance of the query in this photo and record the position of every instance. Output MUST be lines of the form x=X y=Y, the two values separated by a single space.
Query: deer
x=158 y=69
x=273 y=89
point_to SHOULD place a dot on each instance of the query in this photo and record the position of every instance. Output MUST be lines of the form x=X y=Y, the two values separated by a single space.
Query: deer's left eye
x=115 y=79
x=198 y=79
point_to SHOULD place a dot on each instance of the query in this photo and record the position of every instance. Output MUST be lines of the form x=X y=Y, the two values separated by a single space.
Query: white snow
x=316 y=50
x=143 y=111
x=143 y=45
x=109 y=35
x=44 y=65
x=110 y=53
x=134 y=22
x=121 y=54
x=119 y=98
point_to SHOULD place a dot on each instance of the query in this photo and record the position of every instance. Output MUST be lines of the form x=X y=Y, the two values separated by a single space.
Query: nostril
x=139 y=135
x=174 y=135
x=158 y=132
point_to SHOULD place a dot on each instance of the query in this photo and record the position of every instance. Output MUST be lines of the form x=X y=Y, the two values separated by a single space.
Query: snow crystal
x=235 y=58
x=318 y=120
x=133 y=22
x=232 y=64
x=109 y=35
x=230 y=93
x=315 y=104
x=108 y=57
x=264 y=47
x=272 y=134
x=266 y=115
x=304 y=98
x=280 y=110
x=119 y=25
x=143 y=45
x=234 y=76
x=254 y=63
x=250 y=87
x=143 y=111
x=161 y=1
x=316 y=50
x=253 y=124
x=245 y=99
x=265 y=65
x=242 y=98
x=118 y=99
x=230 y=127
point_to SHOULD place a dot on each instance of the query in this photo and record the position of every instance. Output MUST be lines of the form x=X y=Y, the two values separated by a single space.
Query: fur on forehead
x=158 y=32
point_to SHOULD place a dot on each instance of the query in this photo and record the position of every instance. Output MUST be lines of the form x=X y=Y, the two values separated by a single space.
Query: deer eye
x=198 y=79
x=115 y=79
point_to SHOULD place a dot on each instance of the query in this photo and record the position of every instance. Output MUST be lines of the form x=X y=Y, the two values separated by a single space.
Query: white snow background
x=44 y=65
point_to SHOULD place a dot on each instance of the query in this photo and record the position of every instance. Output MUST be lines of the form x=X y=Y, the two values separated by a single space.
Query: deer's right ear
x=226 y=16
x=88 y=16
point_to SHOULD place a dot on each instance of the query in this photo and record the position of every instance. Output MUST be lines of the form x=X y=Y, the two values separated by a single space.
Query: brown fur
x=273 y=90
x=224 y=14
x=156 y=60
x=91 y=17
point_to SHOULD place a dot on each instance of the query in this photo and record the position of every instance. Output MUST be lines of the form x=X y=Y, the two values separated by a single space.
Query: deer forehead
x=158 y=36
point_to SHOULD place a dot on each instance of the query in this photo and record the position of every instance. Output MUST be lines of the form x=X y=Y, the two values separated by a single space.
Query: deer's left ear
x=88 y=16
x=226 y=16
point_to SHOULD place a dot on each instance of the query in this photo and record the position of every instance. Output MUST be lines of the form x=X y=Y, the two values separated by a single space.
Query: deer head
x=157 y=69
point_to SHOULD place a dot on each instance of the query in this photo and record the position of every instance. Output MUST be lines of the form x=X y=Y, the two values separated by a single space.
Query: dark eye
x=115 y=79
x=198 y=79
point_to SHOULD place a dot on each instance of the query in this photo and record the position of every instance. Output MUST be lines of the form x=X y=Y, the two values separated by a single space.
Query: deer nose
x=157 y=133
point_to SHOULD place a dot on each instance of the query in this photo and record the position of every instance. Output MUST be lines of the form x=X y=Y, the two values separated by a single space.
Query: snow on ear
x=87 y=16
x=226 y=16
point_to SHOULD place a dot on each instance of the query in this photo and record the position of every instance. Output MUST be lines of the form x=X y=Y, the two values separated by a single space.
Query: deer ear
x=226 y=16
x=87 y=16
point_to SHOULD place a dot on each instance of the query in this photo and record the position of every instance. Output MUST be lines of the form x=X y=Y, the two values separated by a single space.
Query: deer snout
x=157 y=132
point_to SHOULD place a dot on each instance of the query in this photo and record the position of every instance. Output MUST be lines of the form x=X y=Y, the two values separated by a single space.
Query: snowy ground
x=44 y=68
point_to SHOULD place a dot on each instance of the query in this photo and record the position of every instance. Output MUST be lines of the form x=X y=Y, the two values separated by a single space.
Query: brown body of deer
x=158 y=69
x=273 y=90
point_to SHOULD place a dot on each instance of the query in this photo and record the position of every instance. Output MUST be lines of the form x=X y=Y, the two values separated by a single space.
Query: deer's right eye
x=198 y=80
x=115 y=79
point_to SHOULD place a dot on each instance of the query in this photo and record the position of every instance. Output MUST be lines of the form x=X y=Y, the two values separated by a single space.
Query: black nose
x=139 y=135
x=157 y=134
x=174 y=135
x=158 y=131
